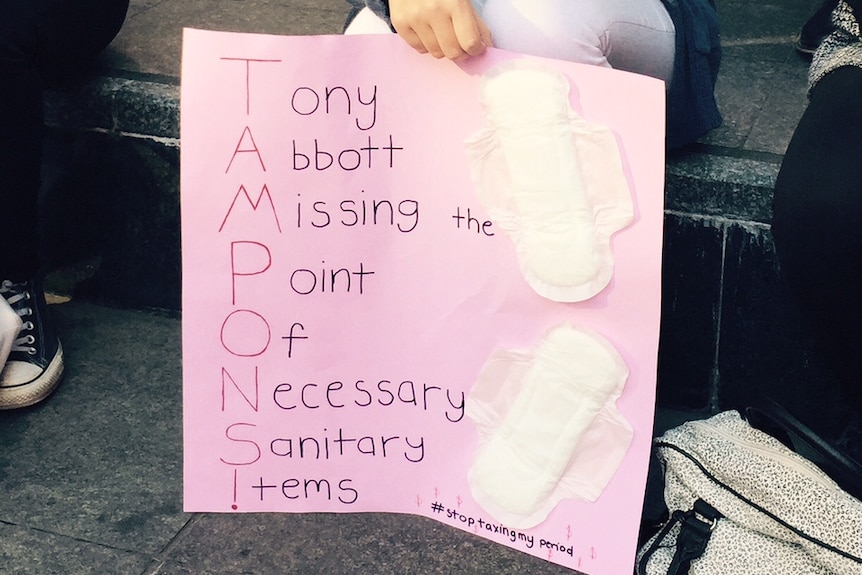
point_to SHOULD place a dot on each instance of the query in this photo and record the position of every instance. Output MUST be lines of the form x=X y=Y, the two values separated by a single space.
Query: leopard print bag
x=742 y=503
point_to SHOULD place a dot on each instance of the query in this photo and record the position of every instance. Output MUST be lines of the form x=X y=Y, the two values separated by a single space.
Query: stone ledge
x=711 y=184
x=126 y=106
x=125 y=166
x=721 y=293
x=705 y=181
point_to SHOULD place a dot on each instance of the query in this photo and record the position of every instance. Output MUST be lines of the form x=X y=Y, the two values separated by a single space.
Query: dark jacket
x=691 y=107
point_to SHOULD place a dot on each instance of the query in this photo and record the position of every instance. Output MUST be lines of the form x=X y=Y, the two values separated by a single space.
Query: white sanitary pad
x=548 y=425
x=552 y=180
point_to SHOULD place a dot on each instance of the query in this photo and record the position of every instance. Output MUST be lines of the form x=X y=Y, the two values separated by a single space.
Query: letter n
x=225 y=376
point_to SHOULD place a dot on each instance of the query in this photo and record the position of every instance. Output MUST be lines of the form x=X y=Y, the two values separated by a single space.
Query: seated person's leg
x=20 y=140
x=632 y=35
x=817 y=222
x=38 y=40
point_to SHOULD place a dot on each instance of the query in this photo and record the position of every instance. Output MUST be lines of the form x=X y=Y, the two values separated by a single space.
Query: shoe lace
x=17 y=295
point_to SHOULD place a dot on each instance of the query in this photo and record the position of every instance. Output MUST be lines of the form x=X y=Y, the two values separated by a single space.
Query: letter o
x=316 y=101
x=349 y=167
x=306 y=272
x=245 y=333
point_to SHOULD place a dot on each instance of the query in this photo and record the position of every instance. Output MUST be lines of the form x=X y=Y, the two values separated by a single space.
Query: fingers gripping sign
x=442 y=28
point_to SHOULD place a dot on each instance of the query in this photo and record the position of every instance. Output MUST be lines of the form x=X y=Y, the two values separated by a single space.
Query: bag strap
x=696 y=526
x=694 y=533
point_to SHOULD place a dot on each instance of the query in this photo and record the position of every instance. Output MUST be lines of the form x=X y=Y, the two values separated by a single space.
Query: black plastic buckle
x=696 y=527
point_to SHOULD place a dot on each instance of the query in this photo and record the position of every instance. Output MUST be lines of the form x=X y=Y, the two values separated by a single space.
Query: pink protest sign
x=371 y=324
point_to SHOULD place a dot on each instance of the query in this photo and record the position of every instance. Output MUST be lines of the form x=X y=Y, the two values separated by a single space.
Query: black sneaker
x=35 y=363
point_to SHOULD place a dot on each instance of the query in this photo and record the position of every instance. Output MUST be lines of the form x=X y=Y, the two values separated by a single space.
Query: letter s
x=228 y=433
x=353 y=494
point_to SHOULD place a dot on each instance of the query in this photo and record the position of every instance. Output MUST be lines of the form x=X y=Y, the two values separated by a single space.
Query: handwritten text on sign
x=343 y=287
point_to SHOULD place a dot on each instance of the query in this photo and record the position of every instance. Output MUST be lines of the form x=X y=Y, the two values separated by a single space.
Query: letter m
x=255 y=204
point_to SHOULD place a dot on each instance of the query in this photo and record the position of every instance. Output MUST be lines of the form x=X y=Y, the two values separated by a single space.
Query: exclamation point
x=234 y=506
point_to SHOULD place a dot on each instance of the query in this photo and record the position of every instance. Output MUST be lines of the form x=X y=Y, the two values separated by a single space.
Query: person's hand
x=441 y=28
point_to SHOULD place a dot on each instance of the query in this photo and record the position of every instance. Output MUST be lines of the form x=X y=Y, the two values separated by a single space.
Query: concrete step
x=728 y=329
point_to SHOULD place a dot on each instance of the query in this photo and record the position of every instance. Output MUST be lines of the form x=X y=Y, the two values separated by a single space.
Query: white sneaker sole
x=31 y=393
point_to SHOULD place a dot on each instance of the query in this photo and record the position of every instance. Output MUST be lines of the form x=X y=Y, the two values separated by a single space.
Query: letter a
x=240 y=148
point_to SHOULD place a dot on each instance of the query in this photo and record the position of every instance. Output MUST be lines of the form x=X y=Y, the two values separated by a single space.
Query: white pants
x=632 y=35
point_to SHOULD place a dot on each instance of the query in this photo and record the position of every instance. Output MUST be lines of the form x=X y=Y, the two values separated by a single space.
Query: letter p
x=247 y=259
